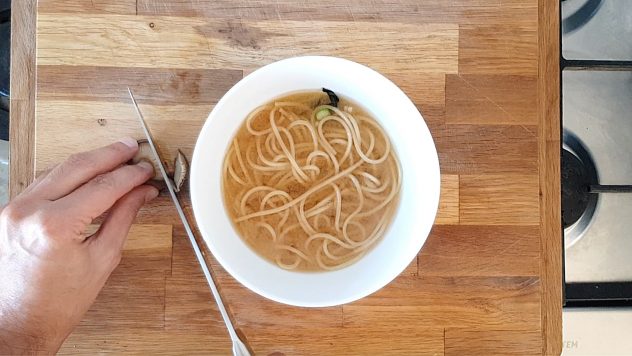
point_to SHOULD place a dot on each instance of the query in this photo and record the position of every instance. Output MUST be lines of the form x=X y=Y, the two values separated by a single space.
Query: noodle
x=309 y=191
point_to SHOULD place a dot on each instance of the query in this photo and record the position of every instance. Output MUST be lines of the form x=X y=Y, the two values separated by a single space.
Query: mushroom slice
x=145 y=154
x=181 y=170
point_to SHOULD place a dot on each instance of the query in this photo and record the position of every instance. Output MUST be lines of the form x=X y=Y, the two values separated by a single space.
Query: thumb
x=110 y=239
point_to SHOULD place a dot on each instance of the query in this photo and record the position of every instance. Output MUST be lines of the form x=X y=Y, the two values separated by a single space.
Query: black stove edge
x=561 y=123
x=598 y=294
x=588 y=64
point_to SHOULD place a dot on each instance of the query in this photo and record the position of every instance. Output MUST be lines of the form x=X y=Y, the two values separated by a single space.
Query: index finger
x=82 y=167
x=100 y=193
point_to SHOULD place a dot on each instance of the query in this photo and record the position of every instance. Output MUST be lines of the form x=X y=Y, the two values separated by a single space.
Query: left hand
x=52 y=272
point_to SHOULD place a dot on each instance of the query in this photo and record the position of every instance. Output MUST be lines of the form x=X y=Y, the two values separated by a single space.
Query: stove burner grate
x=578 y=175
x=575 y=183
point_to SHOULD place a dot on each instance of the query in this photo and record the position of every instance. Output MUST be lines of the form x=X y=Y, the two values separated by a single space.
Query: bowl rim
x=197 y=185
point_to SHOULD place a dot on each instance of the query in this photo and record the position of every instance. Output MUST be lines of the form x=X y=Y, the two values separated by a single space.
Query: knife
x=239 y=348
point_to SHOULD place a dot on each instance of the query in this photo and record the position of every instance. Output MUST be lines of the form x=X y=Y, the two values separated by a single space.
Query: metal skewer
x=239 y=348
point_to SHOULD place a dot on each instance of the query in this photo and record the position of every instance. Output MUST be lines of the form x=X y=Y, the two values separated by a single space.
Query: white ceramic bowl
x=419 y=192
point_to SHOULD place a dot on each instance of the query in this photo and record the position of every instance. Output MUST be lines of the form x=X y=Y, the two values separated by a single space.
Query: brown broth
x=276 y=172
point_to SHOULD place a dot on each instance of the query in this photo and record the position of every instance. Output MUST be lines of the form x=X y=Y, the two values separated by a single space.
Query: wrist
x=18 y=342
x=19 y=335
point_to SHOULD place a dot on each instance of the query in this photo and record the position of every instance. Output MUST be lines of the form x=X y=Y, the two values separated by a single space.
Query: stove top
x=597 y=30
x=597 y=109
x=597 y=150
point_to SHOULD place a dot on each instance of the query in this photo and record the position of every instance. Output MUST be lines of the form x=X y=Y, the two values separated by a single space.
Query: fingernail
x=129 y=142
x=151 y=194
x=146 y=166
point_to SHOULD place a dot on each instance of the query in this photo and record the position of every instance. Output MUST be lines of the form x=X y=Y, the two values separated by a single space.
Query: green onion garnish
x=322 y=113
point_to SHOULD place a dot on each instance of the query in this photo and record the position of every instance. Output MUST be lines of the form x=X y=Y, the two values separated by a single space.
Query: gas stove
x=597 y=150
x=596 y=175
x=596 y=178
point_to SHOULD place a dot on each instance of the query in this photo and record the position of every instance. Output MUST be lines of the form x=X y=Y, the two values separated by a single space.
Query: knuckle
x=48 y=225
x=104 y=181
x=79 y=160
x=13 y=213
x=41 y=222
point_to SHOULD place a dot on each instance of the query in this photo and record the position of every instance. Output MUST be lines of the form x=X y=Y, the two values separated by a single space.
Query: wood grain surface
x=487 y=280
x=549 y=92
x=22 y=106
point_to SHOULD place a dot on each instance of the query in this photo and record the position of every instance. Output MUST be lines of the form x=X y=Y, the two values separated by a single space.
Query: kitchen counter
x=485 y=78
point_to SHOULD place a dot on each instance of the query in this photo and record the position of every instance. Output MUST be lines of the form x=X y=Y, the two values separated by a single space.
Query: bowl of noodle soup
x=314 y=181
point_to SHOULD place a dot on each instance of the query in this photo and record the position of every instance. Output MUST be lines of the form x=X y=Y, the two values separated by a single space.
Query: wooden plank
x=96 y=124
x=491 y=99
x=427 y=301
x=349 y=341
x=448 y=212
x=156 y=86
x=165 y=42
x=166 y=86
x=22 y=107
x=453 y=315
x=499 y=199
x=416 y=291
x=499 y=48
x=138 y=342
x=427 y=91
x=189 y=302
x=551 y=245
x=492 y=342
x=122 y=7
x=139 y=280
x=481 y=282
x=156 y=238
x=189 y=305
x=251 y=311
x=551 y=241
x=487 y=149
x=399 y=11
x=412 y=268
x=456 y=250
x=144 y=295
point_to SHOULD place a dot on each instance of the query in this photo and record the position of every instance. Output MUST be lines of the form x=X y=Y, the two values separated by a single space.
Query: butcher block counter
x=482 y=73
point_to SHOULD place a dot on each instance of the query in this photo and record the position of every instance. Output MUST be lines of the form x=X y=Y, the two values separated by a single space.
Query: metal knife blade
x=239 y=347
x=150 y=139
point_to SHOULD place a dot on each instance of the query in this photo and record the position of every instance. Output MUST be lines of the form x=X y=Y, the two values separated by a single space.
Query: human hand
x=51 y=272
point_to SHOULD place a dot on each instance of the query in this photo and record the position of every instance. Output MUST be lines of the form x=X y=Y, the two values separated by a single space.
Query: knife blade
x=239 y=348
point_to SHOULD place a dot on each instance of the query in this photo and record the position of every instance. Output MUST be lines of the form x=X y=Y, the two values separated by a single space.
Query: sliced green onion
x=322 y=113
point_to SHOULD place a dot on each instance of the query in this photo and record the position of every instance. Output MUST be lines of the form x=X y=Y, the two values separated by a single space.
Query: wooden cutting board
x=487 y=280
